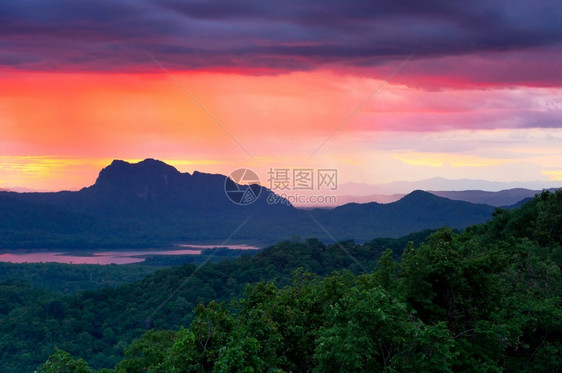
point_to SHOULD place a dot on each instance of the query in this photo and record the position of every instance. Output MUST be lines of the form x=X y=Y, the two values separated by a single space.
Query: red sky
x=79 y=88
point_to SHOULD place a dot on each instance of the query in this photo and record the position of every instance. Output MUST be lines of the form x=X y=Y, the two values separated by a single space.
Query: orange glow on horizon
x=554 y=175
x=59 y=129
x=442 y=159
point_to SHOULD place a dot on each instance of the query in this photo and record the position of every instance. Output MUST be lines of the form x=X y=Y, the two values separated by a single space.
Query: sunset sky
x=474 y=89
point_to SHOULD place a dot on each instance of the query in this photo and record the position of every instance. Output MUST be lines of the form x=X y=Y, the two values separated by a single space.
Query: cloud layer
x=513 y=42
x=481 y=96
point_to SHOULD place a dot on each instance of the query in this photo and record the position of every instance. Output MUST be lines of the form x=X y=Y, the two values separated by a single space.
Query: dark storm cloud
x=288 y=35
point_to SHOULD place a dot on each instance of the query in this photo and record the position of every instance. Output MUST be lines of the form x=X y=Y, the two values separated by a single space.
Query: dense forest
x=97 y=325
x=488 y=298
x=71 y=278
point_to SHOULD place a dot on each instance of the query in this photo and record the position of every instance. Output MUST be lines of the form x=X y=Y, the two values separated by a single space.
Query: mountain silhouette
x=507 y=197
x=151 y=203
x=414 y=212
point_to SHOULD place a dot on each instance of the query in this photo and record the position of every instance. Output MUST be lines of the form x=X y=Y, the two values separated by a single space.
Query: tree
x=62 y=362
x=147 y=353
x=369 y=331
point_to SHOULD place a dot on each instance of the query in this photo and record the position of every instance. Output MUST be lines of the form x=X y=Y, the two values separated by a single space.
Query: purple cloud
x=293 y=35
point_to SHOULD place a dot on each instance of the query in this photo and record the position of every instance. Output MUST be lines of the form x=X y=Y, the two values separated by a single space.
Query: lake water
x=107 y=256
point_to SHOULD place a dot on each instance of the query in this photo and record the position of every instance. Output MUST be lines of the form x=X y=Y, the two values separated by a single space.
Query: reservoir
x=107 y=256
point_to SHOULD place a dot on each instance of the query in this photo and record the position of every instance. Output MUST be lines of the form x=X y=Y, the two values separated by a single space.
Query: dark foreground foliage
x=488 y=299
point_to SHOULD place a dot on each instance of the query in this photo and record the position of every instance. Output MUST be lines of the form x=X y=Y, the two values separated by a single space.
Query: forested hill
x=486 y=299
x=150 y=204
x=97 y=325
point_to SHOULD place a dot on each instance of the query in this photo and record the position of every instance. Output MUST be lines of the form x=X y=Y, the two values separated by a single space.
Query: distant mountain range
x=500 y=198
x=379 y=198
x=21 y=190
x=506 y=197
x=440 y=184
x=151 y=203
